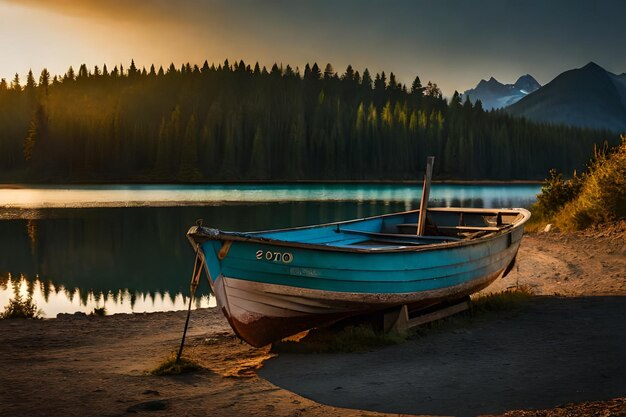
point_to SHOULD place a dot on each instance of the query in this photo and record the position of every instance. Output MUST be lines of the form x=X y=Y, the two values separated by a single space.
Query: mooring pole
x=195 y=279
x=428 y=176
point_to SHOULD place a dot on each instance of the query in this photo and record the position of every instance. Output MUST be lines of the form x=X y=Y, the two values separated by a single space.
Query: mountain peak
x=588 y=97
x=493 y=94
x=526 y=84
x=491 y=83
x=593 y=66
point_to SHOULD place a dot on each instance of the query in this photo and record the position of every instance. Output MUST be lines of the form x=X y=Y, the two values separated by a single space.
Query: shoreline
x=77 y=366
x=20 y=185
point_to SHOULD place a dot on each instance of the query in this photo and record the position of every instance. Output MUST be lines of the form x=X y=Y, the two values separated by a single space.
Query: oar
x=428 y=176
x=195 y=278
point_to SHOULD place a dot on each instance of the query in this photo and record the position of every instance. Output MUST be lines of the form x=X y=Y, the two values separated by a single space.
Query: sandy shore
x=563 y=347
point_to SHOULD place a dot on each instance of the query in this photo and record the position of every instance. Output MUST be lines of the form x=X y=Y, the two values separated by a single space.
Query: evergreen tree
x=393 y=85
x=30 y=82
x=44 y=81
x=349 y=74
x=132 y=70
x=329 y=72
x=188 y=170
x=37 y=150
x=416 y=87
x=162 y=159
x=258 y=160
x=316 y=74
x=366 y=80
x=15 y=84
x=83 y=73
x=69 y=75
x=433 y=91
x=29 y=89
x=275 y=72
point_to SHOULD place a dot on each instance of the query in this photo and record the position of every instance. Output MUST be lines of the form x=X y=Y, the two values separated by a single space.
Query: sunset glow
x=454 y=44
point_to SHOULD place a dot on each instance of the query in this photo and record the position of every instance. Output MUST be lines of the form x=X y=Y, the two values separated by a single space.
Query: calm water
x=124 y=247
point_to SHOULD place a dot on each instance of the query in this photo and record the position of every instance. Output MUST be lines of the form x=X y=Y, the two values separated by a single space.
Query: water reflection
x=138 y=259
x=52 y=300
x=174 y=195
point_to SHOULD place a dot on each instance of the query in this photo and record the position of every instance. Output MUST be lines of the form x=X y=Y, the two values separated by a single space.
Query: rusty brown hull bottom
x=264 y=313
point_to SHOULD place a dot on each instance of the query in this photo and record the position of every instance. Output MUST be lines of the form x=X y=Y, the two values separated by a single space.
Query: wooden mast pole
x=428 y=176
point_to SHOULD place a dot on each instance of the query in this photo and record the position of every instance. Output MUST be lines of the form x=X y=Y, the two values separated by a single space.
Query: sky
x=454 y=43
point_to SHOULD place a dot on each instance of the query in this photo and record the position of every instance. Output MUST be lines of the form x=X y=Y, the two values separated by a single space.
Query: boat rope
x=195 y=279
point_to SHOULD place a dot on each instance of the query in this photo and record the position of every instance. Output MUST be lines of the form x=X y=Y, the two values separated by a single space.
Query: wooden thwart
x=462 y=228
x=400 y=320
x=413 y=238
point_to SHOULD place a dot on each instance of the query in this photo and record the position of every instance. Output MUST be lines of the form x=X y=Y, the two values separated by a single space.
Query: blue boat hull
x=274 y=284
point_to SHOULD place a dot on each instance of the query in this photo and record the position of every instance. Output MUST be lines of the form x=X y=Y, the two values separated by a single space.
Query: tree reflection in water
x=52 y=300
x=132 y=259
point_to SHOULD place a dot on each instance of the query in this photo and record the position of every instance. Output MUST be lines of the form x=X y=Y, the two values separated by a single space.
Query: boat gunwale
x=197 y=235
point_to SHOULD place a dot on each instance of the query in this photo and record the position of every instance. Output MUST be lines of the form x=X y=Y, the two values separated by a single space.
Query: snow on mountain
x=494 y=95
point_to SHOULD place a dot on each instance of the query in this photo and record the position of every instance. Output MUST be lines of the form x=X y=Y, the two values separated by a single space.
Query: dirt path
x=572 y=265
x=97 y=366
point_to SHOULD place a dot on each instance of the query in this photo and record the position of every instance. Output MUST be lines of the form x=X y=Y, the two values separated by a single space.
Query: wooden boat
x=277 y=283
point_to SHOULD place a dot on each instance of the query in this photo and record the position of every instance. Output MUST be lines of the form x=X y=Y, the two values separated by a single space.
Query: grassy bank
x=598 y=196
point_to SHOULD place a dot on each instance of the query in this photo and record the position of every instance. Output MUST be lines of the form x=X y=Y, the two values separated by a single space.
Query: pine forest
x=236 y=122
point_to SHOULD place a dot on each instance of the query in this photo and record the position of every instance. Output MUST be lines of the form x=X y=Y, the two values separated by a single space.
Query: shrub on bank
x=20 y=308
x=556 y=191
x=602 y=198
x=596 y=197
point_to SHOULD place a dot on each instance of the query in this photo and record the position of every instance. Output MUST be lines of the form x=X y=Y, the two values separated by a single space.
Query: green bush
x=556 y=192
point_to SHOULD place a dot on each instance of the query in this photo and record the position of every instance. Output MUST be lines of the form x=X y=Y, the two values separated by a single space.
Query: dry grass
x=364 y=336
x=170 y=367
x=502 y=301
x=347 y=339
x=597 y=197
x=602 y=198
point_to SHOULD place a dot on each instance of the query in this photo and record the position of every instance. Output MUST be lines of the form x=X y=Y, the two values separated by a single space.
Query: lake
x=124 y=247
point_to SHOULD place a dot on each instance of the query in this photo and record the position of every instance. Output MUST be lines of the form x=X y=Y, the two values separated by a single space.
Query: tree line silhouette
x=237 y=122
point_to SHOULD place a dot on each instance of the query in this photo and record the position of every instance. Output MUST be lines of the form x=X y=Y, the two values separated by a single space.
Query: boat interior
x=443 y=225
